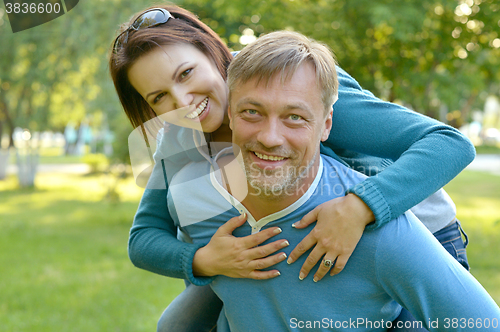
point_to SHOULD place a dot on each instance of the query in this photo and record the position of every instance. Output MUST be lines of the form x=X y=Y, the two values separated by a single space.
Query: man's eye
x=295 y=117
x=186 y=73
x=251 y=112
x=158 y=98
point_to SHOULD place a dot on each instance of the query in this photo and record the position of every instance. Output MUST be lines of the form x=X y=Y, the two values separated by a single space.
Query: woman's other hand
x=239 y=257
x=340 y=225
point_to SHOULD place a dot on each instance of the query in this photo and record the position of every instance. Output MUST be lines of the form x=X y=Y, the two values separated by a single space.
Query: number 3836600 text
x=32 y=8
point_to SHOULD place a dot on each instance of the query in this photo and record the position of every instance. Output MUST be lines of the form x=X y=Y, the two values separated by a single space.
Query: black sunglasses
x=148 y=19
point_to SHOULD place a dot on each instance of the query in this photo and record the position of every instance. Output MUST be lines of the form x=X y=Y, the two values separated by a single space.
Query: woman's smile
x=182 y=85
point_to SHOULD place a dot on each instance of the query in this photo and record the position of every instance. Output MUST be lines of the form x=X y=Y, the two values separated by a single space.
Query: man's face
x=278 y=128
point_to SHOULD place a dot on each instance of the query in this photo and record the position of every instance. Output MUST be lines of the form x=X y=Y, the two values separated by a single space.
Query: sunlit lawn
x=63 y=253
x=65 y=266
x=477 y=196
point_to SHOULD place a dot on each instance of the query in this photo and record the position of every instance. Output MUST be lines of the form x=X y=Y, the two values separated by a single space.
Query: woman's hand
x=239 y=257
x=341 y=223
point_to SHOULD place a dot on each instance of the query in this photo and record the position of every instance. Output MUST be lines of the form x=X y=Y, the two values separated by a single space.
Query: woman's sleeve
x=153 y=243
x=427 y=154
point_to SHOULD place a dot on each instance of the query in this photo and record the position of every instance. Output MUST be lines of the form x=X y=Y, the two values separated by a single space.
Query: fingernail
x=243 y=216
x=277 y=230
x=289 y=260
x=277 y=273
x=283 y=255
x=293 y=225
x=315 y=280
x=301 y=276
x=285 y=244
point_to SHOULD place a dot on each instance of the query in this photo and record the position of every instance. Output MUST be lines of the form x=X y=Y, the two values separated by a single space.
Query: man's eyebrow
x=173 y=78
x=300 y=106
x=250 y=101
x=288 y=107
x=297 y=106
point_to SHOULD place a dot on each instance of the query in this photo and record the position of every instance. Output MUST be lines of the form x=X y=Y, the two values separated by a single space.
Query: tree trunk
x=4 y=114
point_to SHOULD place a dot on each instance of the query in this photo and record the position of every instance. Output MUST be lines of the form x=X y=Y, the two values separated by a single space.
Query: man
x=282 y=89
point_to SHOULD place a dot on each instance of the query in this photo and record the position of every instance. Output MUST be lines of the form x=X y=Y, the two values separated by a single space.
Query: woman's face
x=182 y=85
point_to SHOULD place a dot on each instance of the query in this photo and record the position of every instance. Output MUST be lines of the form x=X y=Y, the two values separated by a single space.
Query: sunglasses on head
x=148 y=19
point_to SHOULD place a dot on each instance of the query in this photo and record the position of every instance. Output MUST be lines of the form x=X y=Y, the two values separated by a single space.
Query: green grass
x=50 y=156
x=61 y=159
x=477 y=196
x=64 y=259
x=64 y=256
x=488 y=149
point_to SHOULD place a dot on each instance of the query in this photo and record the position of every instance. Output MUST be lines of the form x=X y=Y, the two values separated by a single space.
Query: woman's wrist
x=201 y=264
x=364 y=213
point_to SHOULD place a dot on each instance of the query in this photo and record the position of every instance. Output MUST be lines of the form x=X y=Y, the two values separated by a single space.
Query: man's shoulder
x=335 y=171
x=404 y=231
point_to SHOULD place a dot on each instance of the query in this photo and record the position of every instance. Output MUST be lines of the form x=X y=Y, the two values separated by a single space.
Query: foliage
x=431 y=55
x=57 y=73
x=439 y=57
x=98 y=162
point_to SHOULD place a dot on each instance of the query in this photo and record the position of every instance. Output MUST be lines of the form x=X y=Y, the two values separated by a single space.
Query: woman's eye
x=158 y=98
x=186 y=73
x=295 y=117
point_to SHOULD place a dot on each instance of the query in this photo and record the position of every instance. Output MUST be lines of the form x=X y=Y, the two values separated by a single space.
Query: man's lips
x=268 y=157
x=265 y=161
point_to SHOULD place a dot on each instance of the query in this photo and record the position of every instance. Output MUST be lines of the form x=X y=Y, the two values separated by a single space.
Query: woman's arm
x=427 y=154
x=153 y=243
x=153 y=246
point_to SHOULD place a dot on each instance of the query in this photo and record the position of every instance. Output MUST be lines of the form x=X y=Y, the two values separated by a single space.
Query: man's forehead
x=298 y=91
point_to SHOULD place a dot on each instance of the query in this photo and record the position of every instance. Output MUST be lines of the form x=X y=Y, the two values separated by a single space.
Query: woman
x=168 y=60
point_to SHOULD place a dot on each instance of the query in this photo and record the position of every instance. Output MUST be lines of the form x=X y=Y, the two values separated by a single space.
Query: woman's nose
x=181 y=98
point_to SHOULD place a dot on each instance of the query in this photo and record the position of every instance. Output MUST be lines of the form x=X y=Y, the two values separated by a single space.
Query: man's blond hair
x=282 y=52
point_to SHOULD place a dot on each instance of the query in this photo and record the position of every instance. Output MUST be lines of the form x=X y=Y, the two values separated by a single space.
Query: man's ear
x=328 y=126
x=230 y=118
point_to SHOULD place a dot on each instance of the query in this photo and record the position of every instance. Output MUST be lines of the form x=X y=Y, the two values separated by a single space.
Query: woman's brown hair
x=184 y=28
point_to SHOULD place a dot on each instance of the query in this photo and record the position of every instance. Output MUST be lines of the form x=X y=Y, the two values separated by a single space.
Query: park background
x=67 y=198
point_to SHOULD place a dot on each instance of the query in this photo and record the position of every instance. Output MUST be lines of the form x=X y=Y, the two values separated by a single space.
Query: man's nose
x=271 y=134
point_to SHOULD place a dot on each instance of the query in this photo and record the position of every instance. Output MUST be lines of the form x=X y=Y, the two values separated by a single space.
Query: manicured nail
x=243 y=216
x=315 y=280
x=289 y=260
x=277 y=274
x=277 y=230
x=283 y=255
x=301 y=276
x=285 y=244
x=293 y=225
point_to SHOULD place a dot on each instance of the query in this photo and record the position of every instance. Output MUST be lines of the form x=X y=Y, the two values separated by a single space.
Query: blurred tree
x=57 y=73
x=441 y=57
x=430 y=55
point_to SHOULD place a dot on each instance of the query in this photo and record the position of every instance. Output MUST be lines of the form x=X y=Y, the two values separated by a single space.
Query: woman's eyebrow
x=177 y=69
x=173 y=78
x=152 y=93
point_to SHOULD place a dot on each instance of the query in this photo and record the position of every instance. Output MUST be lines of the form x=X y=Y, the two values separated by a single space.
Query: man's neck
x=258 y=204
